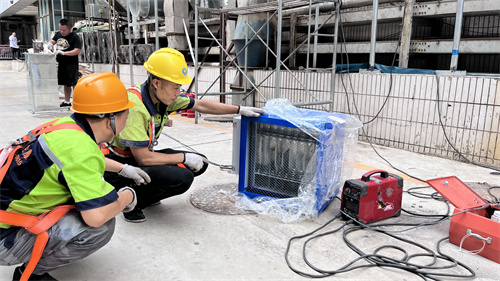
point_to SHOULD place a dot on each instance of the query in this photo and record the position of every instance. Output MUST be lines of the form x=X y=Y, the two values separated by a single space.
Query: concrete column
x=404 y=52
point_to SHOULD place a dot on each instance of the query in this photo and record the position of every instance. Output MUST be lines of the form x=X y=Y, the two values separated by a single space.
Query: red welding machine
x=373 y=197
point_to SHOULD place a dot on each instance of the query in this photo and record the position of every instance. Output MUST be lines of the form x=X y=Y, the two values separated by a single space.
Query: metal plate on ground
x=481 y=188
x=217 y=199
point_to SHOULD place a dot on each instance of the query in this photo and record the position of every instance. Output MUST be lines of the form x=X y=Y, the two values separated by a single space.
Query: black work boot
x=18 y=272
x=136 y=215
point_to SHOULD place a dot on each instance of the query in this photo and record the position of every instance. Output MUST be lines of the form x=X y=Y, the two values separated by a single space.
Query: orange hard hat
x=168 y=64
x=100 y=93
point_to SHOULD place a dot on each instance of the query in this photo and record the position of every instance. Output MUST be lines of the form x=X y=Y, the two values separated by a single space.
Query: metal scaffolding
x=275 y=11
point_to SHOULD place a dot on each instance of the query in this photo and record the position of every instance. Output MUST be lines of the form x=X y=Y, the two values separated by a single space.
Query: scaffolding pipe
x=53 y=17
x=334 y=59
x=373 y=39
x=457 y=34
x=129 y=45
x=62 y=10
x=278 y=50
x=315 y=52
x=196 y=67
x=157 y=39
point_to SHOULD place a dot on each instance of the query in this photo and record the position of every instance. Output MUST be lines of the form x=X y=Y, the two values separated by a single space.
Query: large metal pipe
x=324 y=7
x=176 y=13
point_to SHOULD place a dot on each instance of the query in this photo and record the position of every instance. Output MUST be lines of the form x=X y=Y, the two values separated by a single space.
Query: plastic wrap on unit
x=337 y=155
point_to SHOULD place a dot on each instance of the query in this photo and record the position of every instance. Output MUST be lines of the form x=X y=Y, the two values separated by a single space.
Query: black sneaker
x=136 y=215
x=18 y=272
x=65 y=103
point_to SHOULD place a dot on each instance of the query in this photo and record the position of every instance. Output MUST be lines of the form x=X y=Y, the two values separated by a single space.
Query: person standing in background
x=68 y=46
x=14 y=48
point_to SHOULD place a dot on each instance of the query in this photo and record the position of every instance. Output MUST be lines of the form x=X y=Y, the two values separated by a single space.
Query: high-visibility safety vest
x=153 y=131
x=106 y=149
x=36 y=225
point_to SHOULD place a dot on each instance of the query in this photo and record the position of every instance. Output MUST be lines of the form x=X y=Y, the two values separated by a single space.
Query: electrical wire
x=446 y=135
x=343 y=43
x=342 y=46
x=434 y=195
x=495 y=200
x=426 y=272
x=225 y=167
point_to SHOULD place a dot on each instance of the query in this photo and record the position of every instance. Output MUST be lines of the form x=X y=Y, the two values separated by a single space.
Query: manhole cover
x=217 y=199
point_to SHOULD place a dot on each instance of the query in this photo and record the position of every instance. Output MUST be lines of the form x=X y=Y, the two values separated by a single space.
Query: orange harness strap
x=106 y=150
x=138 y=93
x=38 y=226
x=31 y=136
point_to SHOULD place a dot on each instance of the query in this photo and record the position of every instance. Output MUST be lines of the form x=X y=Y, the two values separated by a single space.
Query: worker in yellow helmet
x=58 y=171
x=156 y=98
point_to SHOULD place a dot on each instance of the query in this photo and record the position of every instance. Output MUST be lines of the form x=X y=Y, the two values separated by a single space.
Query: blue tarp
x=355 y=67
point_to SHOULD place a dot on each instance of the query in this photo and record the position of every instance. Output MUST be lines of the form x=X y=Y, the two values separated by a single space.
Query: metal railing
x=6 y=54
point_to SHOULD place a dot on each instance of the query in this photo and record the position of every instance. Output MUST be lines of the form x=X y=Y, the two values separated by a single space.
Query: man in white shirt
x=14 y=48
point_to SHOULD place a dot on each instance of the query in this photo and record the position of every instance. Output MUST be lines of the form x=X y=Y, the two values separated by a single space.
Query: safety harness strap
x=38 y=226
x=35 y=225
x=107 y=149
x=31 y=137
x=138 y=93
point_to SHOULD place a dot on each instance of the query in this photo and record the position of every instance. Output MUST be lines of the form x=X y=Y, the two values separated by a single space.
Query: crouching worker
x=172 y=171
x=53 y=191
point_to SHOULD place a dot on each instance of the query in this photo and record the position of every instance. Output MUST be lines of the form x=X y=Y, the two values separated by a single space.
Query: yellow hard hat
x=168 y=64
x=100 y=93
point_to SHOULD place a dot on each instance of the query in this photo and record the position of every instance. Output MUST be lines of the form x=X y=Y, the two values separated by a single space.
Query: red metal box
x=473 y=230
x=372 y=197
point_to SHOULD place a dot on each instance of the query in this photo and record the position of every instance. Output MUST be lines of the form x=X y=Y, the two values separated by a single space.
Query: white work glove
x=193 y=161
x=132 y=204
x=138 y=175
x=59 y=52
x=50 y=46
x=5 y=152
x=250 y=111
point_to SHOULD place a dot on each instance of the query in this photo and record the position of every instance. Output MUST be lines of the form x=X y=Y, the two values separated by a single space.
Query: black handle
x=366 y=176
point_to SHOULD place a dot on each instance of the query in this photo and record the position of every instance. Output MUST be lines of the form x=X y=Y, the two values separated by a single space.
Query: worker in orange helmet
x=156 y=98
x=60 y=174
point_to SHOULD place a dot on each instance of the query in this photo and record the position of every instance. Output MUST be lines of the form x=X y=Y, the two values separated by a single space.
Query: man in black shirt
x=67 y=48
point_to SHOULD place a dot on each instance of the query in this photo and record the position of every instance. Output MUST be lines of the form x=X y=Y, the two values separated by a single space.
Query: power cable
x=376 y=259
x=446 y=135
x=426 y=272
x=343 y=42
x=495 y=200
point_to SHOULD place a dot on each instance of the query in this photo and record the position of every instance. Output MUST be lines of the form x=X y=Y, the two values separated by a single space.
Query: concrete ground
x=181 y=242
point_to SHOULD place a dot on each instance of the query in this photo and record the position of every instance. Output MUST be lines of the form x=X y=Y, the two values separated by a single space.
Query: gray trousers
x=70 y=239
